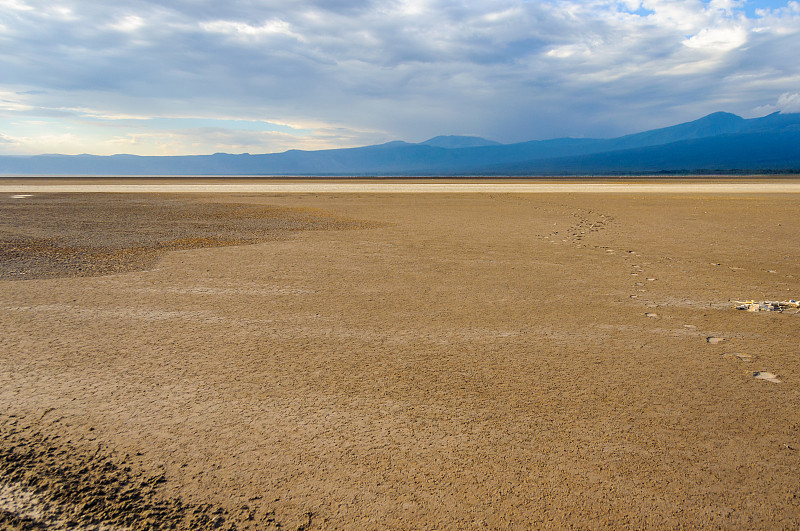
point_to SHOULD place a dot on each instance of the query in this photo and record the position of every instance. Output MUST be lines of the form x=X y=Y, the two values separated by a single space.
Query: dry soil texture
x=448 y=361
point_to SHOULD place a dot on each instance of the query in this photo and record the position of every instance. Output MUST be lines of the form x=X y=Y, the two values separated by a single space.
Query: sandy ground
x=435 y=361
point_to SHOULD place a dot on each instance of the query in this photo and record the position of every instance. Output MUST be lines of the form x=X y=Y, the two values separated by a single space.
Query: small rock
x=715 y=340
x=653 y=315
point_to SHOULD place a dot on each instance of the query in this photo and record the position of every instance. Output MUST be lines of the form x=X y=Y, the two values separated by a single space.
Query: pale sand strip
x=768 y=187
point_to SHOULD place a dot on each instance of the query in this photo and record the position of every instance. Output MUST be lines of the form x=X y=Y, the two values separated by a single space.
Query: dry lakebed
x=376 y=358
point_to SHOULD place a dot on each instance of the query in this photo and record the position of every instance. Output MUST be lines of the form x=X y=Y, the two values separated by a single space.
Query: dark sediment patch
x=68 y=235
x=47 y=482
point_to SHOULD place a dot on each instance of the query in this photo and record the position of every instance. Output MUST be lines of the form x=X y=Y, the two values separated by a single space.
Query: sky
x=187 y=77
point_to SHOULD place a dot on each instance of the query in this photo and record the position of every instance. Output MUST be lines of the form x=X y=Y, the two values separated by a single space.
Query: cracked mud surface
x=465 y=362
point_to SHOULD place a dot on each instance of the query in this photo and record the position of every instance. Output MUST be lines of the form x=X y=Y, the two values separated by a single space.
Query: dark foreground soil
x=50 y=483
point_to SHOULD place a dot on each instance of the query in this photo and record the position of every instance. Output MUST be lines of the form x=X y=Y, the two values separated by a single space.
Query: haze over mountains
x=720 y=142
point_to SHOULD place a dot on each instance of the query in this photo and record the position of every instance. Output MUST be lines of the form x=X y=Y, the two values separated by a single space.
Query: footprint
x=768 y=376
x=741 y=356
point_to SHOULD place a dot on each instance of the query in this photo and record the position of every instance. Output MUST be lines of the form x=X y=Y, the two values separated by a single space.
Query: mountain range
x=718 y=143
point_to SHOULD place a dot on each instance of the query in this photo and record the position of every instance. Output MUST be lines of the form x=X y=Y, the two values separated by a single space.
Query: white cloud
x=15 y=5
x=10 y=101
x=127 y=23
x=570 y=50
x=789 y=102
x=721 y=39
x=783 y=21
x=245 y=30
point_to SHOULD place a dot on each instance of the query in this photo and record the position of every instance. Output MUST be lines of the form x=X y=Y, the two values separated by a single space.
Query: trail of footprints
x=589 y=221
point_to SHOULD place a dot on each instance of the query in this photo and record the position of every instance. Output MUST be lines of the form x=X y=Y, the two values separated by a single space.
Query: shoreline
x=394 y=186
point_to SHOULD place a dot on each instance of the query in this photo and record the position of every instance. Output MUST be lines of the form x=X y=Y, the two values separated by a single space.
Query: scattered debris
x=715 y=340
x=768 y=376
x=767 y=306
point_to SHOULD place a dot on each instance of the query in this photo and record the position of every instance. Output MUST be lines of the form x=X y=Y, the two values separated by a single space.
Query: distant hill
x=733 y=153
x=718 y=142
x=454 y=141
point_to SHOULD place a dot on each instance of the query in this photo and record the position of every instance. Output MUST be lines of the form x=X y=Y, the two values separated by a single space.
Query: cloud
x=787 y=102
x=243 y=30
x=722 y=39
x=15 y=5
x=127 y=23
x=345 y=72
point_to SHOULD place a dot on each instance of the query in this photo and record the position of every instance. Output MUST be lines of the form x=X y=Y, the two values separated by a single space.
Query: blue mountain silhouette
x=719 y=142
